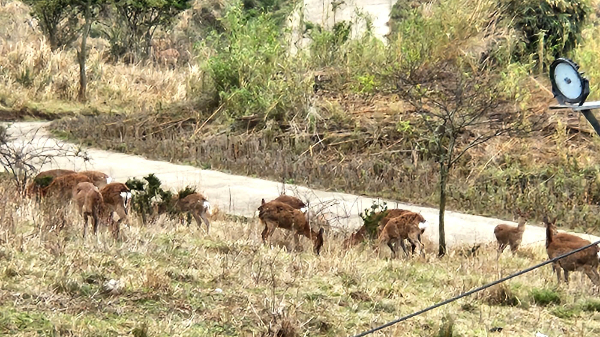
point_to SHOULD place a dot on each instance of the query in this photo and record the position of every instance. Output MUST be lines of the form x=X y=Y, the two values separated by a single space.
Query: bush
x=553 y=25
x=252 y=72
x=145 y=193
x=372 y=216
x=545 y=297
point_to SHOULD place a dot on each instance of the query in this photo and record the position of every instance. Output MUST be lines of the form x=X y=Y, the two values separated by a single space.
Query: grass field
x=169 y=279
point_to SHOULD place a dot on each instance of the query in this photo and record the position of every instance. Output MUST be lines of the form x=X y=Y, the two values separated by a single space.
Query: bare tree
x=23 y=153
x=461 y=110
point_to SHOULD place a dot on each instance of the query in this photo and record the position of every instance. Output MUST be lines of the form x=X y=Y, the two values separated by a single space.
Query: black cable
x=474 y=291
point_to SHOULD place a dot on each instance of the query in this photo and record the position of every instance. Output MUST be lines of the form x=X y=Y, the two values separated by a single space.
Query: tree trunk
x=82 y=53
x=442 y=231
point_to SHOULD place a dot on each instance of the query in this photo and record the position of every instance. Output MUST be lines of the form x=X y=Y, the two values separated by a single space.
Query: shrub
x=552 y=27
x=145 y=193
x=545 y=297
x=252 y=72
x=372 y=216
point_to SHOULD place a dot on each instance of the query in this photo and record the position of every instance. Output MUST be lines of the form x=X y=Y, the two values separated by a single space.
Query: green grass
x=170 y=275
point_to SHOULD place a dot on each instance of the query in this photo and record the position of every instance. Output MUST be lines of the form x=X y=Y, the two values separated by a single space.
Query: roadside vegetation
x=337 y=114
x=171 y=279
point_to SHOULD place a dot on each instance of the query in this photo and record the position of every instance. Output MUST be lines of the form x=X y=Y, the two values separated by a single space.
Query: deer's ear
x=262 y=201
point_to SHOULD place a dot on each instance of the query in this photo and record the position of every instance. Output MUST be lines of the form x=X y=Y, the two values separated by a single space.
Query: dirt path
x=241 y=195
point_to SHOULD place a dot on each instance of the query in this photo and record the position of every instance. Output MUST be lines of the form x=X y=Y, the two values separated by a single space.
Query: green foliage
x=545 y=297
x=141 y=18
x=251 y=70
x=591 y=305
x=551 y=26
x=371 y=217
x=145 y=192
x=279 y=9
x=565 y=312
x=326 y=45
x=401 y=11
x=186 y=191
x=57 y=19
x=43 y=181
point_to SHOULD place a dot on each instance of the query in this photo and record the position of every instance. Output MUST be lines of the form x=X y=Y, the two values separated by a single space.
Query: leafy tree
x=57 y=19
x=63 y=21
x=461 y=110
x=143 y=17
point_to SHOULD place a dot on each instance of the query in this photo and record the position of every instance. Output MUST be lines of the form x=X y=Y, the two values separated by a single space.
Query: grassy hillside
x=331 y=116
x=173 y=280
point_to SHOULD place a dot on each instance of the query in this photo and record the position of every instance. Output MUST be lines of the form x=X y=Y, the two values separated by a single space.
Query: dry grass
x=173 y=280
x=34 y=75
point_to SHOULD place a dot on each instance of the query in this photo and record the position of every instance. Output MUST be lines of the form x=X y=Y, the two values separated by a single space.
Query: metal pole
x=592 y=119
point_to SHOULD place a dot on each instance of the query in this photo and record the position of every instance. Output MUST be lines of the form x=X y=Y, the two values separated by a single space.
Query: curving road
x=241 y=195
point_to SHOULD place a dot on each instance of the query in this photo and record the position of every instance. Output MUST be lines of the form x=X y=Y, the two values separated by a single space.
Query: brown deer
x=389 y=214
x=98 y=178
x=292 y=201
x=409 y=226
x=360 y=234
x=558 y=244
x=89 y=202
x=117 y=199
x=63 y=186
x=509 y=235
x=36 y=185
x=276 y=214
x=167 y=58
x=355 y=238
x=195 y=204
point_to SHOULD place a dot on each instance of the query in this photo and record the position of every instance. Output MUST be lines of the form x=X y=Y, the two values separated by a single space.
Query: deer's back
x=290 y=200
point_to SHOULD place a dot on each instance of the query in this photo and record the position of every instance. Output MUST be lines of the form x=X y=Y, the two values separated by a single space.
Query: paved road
x=241 y=195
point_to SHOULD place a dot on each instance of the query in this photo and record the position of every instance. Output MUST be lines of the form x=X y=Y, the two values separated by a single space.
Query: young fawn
x=507 y=235
x=390 y=214
x=409 y=226
x=276 y=214
x=355 y=238
x=359 y=236
x=195 y=204
x=117 y=199
x=558 y=244
x=89 y=201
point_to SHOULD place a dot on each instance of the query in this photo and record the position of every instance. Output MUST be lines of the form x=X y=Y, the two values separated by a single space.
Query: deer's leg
x=268 y=231
x=392 y=248
x=566 y=272
x=85 y=223
x=592 y=273
x=414 y=243
x=556 y=269
x=117 y=225
x=296 y=241
x=401 y=242
x=95 y=222
x=203 y=217
x=514 y=247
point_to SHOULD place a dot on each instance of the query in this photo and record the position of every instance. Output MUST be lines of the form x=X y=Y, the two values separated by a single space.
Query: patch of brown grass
x=174 y=279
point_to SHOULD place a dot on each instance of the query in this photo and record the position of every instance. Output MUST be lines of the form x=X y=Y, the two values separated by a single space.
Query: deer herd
x=557 y=244
x=98 y=198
